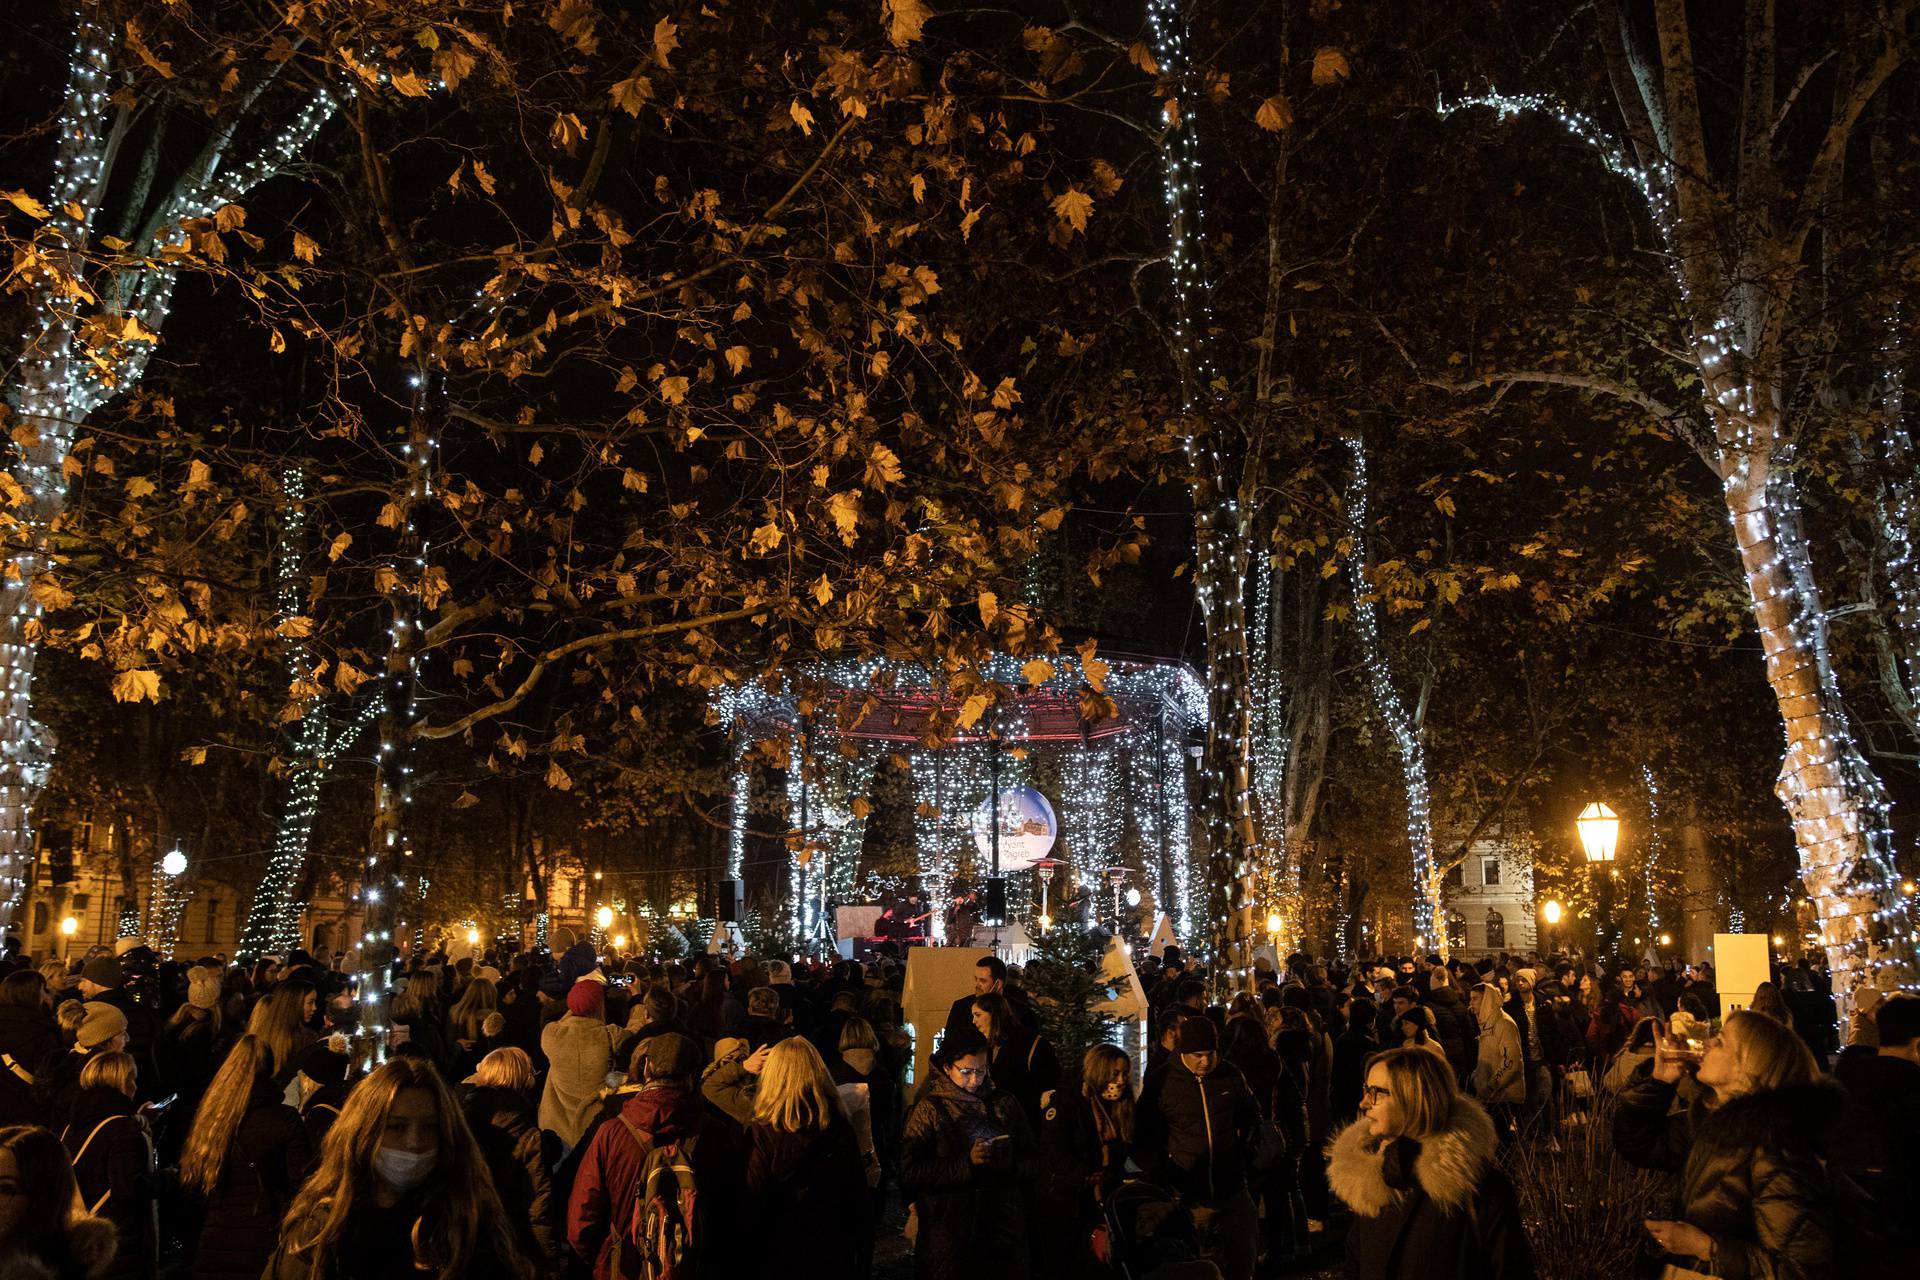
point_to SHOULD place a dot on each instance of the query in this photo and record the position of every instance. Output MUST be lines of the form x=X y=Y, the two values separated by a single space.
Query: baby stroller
x=1150 y=1235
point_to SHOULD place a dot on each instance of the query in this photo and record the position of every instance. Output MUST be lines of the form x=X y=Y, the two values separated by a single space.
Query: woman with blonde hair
x=499 y=1107
x=44 y=1228
x=280 y=1020
x=402 y=1192
x=804 y=1171
x=244 y=1158
x=1755 y=1198
x=467 y=1018
x=1420 y=1171
x=113 y=1162
x=1084 y=1138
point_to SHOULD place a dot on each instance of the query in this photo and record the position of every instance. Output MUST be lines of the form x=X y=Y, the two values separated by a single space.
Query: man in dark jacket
x=1195 y=1131
x=104 y=980
x=666 y=1109
x=1455 y=1027
x=1876 y=1150
x=1541 y=1048
x=1351 y=1049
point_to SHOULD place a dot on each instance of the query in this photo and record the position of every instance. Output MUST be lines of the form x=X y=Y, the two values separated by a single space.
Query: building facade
x=1489 y=901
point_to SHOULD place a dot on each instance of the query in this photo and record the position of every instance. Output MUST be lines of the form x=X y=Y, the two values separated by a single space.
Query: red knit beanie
x=585 y=997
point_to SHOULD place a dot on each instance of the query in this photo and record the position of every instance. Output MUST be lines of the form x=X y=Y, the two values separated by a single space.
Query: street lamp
x=68 y=927
x=1599 y=829
x=473 y=937
x=175 y=863
x=619 y=942
x=1045 y=869
x=1551 y=913
x=603 y=917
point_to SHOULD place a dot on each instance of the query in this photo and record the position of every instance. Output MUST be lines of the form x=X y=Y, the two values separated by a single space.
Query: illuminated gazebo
x=1117 y=782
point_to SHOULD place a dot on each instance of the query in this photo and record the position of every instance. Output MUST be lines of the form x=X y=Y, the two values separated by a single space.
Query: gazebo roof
x=886 y=702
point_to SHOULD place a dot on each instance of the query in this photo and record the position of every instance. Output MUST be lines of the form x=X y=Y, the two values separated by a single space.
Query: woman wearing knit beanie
x=188 y=1052
x=579 y=1049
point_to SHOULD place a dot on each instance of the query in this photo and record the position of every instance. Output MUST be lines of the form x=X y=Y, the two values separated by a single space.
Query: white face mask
x=403 y=1170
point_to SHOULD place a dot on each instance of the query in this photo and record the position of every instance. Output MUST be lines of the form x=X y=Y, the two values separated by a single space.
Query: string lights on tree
x=1837 y=806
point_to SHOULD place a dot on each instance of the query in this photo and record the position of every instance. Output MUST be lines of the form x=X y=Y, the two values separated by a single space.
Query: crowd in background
x=590 y=1115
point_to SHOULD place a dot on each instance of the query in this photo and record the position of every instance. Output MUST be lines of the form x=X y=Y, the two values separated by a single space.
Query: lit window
x=1489 y=871
x=1496 y=931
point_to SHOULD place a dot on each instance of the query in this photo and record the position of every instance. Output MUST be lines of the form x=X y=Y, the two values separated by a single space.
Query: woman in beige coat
x=579 y=1049
x=1499 y=1073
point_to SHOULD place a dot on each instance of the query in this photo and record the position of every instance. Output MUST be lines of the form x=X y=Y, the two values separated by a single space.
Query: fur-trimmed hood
x=1369 y=1175
x=90 y=1244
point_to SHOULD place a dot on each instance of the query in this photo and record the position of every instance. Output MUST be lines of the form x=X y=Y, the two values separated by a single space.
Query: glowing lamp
x=174 y=863
x=1552 y=911
x=1273 y=922
x=1599 y=832
x=69 y=926
x=1666 y=939
x=619 y=941
x=473 y=937
x=603 y=917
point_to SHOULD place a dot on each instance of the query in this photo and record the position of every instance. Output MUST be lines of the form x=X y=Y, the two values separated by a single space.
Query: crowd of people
x=581 y=1114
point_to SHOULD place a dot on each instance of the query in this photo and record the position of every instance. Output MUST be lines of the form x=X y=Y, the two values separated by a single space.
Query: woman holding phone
x=963 y=1159
x=1755 y=1199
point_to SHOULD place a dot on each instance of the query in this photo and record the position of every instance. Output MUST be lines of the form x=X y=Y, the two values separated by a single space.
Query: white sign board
x=1740 y=965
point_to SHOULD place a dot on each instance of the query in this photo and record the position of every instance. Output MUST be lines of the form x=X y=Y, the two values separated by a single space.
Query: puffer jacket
x=1455 y=1027
x=972 y=1219
x=1435 y=1209
x=579 y=1056
x=1197 y=1134
x=1751 y=1172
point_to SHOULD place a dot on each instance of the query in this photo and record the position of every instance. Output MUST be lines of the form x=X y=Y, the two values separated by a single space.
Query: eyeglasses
x=971 y=1073
x=1374 y=1093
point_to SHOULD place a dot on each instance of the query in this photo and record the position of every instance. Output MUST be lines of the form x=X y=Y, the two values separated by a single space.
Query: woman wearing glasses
x=964 y=1158
x=1755 y=1199
x=1419 y=1171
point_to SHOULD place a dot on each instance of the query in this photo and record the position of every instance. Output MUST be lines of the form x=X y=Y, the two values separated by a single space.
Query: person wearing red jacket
x=667 y=1108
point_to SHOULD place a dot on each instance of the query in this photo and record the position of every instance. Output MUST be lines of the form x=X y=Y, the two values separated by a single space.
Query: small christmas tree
x=1063 y=977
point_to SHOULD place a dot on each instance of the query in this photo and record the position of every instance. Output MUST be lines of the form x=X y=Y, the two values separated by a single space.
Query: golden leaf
x=823 y=590
x=973 y=708
x=1038 y=671
x=632 y=93
x=1072 y=207
x=1329 y=65
x=347 y=677
x=409 y=85
x=845 y=510
x=557 y=777
x=304 y=247
x=132 y=686
x=738 y=358
x=666 y=38
x=674 y=389
x=338 y=547
x=802 y=117
x=1275 y=114
x=904 y=18
x=989 y=607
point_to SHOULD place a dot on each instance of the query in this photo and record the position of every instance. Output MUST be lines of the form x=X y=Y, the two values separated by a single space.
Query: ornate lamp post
x=1551 y=913
x=1599 y=829
x=1045 y=867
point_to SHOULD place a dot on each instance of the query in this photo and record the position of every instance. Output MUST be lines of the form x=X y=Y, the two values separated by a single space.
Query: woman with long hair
x=402 y=1191
x=244 y=1158
x=1023 y=1062
x=499 y=1106
x=113 y=1161
x=187 y=1054
x=1084 y=1138
x=963 y=1163
x=805 y=1174
x=279 y=1021
x=1420 y=1171
x=466 y=1019
x=44 y=1229
x=1610 y=1025
x=1415 y=1029
x=1755 y=1198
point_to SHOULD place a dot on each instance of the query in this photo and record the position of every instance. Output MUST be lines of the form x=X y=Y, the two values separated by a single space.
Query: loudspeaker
x=732 y=908
x=994 y=903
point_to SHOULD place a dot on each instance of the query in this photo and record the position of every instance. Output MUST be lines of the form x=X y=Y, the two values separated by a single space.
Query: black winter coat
x=972 y=1219
x=1350 y=1054
x=113 y=1164
x=266 y=1162
x=30 y=1041
x=1196 y=1135
x=883 y=1098
x=1024 y=1066
x=1751 y=1172
x=519 y=1155
x=1455 y=1027
x=378 y=1245
x=1436 y=1209
x=143 y=1030
x=1876 y=1160
x=805 y=1187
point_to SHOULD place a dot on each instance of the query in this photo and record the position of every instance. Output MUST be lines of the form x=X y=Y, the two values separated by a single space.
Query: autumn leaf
x=845 y=510
x=1072 y=207
x=1038 y=671
x=904 y=18
x=194 y=755
x=49 y=594
x=989 y=607
x=557 y=777
x=632 y=93
x=294 y=628
x=465 y=800
x=1329 y=65
x=766 y=539
x=666 y=38
x=1275 y=114
x=26 y=204
x=133 y=686
x=347 y=677
x=229 y=217
x=738 y=358
x=973 y=708
x=140 y=487
x=1142 y=57
x=1445 y=503
x=861 y=806
x=883 y=466
x=199 y=475
x=674 y=389
x=338 y=547
x=408 y=84
x=823 y=591
x=802 y=117
x=1106 y=179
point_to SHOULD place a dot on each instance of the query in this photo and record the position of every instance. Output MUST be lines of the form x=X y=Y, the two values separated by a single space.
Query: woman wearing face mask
x=1084 y=1137
x=962 y=1159
x=243 y=1160
x=1755 y=1198
x=402 y=1192
x=1419 y=1170
x=45 y=1231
